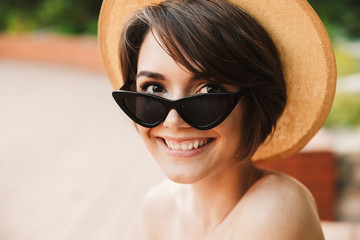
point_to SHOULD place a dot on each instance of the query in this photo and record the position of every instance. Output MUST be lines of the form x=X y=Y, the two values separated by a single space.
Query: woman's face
x=185 y=154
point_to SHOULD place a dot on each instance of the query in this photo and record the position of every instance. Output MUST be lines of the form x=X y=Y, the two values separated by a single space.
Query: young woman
x=206 y=85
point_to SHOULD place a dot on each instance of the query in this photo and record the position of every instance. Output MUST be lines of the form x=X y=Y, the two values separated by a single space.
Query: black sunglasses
x=201 y=111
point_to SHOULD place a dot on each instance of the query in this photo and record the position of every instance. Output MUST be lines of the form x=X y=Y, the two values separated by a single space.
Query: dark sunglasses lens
x=145 y=109
x=205 y=111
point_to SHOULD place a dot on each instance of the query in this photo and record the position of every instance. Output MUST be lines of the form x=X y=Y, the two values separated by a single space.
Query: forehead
x=151 y=52
x=155 y=61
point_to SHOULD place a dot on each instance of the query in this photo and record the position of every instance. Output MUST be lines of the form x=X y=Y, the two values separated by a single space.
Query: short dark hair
x=215 y=39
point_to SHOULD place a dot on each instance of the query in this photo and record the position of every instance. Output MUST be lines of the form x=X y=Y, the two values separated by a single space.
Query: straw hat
x=306 y=54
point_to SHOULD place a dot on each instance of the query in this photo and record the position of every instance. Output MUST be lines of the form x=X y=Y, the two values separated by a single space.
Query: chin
x=183 y=177
x=189 y=175
x=181 y=180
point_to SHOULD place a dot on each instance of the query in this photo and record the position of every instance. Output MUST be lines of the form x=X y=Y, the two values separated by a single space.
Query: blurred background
x=64 y=173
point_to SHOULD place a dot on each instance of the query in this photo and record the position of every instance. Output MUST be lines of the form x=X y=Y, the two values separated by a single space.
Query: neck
x=214 y=198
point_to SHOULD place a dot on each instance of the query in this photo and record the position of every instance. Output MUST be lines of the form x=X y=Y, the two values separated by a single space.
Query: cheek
x=144 y=134
x=150 y=143
x=235 y=121
x=232 y=131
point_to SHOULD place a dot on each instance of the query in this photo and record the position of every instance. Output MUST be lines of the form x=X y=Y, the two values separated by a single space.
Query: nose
x=173 y=120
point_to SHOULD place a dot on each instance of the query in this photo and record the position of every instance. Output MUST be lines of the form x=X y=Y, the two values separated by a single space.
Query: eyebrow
x=158 y=76
x=152 y=75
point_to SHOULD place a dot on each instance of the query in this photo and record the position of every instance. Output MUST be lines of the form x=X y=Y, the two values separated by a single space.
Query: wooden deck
x=71 y=164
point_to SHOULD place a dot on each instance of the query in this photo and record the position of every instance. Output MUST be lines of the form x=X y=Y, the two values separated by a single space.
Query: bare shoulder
x=157 y=208
x=280 y=207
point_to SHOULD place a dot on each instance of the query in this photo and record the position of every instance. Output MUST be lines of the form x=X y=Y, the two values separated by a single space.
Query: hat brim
x=305 y=51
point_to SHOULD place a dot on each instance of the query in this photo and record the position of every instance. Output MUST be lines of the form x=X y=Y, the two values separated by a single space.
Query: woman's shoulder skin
x=276 y=206
x=279 y=207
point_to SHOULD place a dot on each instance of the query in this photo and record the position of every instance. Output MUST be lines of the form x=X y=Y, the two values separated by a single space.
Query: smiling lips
x=186 y=145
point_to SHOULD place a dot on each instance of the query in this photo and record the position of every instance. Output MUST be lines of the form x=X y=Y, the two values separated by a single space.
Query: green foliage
x=63 y=16
x=345 y=61
x=339 y=17
x=69 y=16
x=345 y=111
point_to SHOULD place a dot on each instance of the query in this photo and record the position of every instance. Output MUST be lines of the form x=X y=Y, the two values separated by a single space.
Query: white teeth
x=186 y=146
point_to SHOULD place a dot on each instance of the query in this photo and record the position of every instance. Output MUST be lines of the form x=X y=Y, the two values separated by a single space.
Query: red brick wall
x=79 y=52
